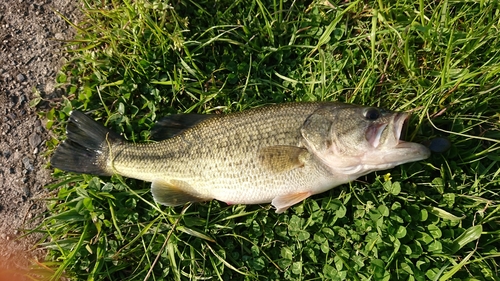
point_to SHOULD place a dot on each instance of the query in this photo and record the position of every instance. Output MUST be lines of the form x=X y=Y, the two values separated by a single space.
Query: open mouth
x=387 y=147
x=375 y=132
x=400 y=122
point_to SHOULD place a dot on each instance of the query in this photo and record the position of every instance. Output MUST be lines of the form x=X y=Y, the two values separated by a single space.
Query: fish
x=279 y=154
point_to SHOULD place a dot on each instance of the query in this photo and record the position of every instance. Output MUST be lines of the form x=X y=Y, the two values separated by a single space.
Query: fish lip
x=400 y=121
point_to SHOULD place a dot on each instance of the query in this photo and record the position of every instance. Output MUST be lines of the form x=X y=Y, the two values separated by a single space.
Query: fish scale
x=280 y=154
x=229 y=136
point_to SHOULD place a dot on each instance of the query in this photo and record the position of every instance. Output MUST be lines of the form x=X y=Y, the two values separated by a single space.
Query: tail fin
x=86 y=149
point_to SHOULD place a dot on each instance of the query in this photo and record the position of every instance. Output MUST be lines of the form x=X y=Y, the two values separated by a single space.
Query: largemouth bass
x=280 y=154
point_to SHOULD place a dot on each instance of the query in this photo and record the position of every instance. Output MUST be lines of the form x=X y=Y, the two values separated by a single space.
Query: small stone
x=13 y=101
x=27 y=191
x=20 y=77
x=5 y=128
x=27 y=164
x=59 y=36
x=22 y=98
x=35 y=140
x=49 y=86
x=39 y=128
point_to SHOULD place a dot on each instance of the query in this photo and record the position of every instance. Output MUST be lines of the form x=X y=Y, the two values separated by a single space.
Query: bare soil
x=31 y=52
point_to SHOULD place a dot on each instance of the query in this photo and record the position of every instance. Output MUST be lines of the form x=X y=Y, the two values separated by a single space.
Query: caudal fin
x=86 y=150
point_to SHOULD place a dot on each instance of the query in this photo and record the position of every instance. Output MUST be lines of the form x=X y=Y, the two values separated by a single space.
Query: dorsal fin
x=174 y=124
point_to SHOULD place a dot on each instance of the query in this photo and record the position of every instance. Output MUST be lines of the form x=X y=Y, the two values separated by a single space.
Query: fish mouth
x=409 y=151
x=419 y=151
x=376 y=132
x=389 y=149
x=400 y=121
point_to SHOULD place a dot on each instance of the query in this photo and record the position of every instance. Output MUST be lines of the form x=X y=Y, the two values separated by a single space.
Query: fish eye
x=371 y=114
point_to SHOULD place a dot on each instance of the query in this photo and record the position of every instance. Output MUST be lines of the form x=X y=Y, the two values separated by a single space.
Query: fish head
x=354 y=140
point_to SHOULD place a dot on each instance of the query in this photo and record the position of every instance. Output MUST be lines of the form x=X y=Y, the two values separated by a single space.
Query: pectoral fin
x=282 y=203
x=175 y=193
x=283 y=158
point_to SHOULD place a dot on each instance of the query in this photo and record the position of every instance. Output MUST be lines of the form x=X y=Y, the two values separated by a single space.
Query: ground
x=31 y=52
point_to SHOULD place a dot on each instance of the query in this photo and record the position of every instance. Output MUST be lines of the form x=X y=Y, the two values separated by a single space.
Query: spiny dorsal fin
x=282 y=158
x=175 y=124
x=175 y=193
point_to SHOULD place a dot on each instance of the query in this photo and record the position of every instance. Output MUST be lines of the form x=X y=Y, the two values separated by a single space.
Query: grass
x=133 y=62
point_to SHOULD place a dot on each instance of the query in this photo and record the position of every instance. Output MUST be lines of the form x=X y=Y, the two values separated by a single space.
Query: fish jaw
x=389 y=150
x=402 y=153
x=383 y=150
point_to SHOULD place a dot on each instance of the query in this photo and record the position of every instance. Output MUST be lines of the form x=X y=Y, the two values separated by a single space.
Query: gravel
x=30 y=55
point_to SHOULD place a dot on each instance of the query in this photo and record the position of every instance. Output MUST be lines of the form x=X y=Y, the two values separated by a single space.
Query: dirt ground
x=31 y=35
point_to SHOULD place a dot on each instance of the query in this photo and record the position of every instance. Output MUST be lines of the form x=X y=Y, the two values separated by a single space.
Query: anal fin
x=175 y=193
x=282 y=203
